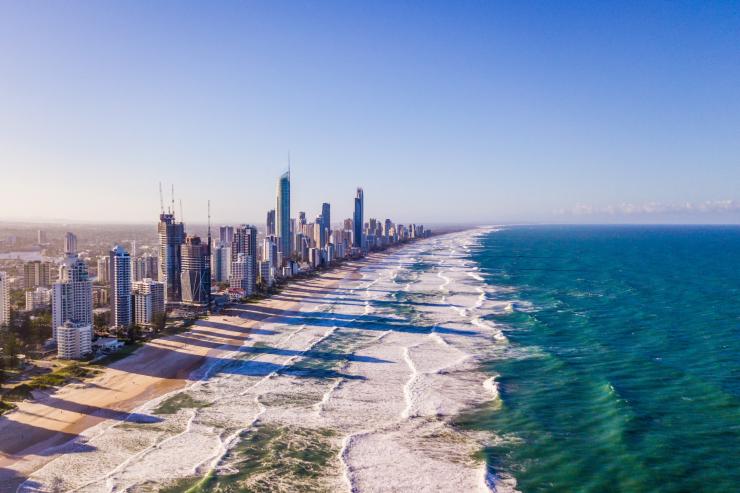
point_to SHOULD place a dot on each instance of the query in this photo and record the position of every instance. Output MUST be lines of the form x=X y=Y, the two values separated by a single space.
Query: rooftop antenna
x=209 y=249
x=161 y=199
x=181 y=215
x=172 y=205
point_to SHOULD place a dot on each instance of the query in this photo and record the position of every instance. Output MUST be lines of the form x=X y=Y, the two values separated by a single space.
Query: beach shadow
x=98 y=412
x=320 y=355
x=10 y=481
x=256 y=368
x=362 y=322
x=19 y=437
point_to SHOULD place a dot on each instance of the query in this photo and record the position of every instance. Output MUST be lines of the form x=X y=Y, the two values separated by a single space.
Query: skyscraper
x=196 y=271
x=357 y=220
x=245 y=242
x=120 y=287
x=282 y=215
x=4 y=299
x=150 y=266
x=103 y=274
x=226 y=234
x=220 y=261
x=171 y=236
x=72 y=295
x=70 y=244
x=326 y=221
x=270 y=222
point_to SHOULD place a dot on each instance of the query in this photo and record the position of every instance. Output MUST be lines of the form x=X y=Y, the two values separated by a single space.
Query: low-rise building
x=74 y=340
x=38 y=298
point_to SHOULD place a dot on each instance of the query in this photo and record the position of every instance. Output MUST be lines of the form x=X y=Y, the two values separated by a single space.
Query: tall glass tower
x=282 y=215
x=196 y=271
x=326 y=221
x=358 y=220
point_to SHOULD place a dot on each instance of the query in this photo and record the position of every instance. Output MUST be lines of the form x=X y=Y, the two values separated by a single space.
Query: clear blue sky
x=443 y=111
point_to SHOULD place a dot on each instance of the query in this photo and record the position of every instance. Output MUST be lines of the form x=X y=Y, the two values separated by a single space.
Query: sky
x=473 y=112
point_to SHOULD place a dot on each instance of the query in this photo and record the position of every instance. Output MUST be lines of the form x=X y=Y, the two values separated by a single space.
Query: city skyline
x=509 y=113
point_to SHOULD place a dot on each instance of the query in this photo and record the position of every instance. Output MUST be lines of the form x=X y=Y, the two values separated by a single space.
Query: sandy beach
x=344 y=382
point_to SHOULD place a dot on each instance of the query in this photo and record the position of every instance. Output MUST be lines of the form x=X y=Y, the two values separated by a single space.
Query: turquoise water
x=624 y=369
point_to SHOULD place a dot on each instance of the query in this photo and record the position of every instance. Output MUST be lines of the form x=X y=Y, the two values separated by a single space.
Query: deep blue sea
x=624 y=365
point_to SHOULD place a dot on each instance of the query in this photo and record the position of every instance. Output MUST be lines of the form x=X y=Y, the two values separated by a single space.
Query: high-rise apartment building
x=72 y=295
x=226 y=234
x=220 y=261
x=70 y=245
x=36 y=274
x=326 y=221
x=151 y=263
x=282 y=215
x=196 y=271
x=357 y=219
x=148 y=301
x=243 y=274
x=120 y=288
x=270 y=229
x=245 y=242
x=138 y=265
x=103 y=265
x=270 y=250
x=171 y=237
x=4 y=299
x=266 y=275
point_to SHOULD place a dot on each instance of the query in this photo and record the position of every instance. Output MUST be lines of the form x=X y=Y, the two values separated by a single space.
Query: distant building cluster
x=186 y=271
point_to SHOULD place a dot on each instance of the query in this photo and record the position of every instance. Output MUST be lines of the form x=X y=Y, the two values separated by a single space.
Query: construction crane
x=161 y=199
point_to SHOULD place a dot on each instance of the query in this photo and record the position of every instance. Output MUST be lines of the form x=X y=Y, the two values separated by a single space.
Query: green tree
x=133 y=333
x=100 y=321
x=11 y=347
x=41 y=328
x=159 y=322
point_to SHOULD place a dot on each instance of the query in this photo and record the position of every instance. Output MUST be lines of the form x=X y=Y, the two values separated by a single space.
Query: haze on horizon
x=484 y=112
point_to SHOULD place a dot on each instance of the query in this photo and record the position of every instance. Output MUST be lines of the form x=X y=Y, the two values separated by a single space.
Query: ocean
x=622 y=371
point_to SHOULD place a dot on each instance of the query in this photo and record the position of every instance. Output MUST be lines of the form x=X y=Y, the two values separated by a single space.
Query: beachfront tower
x=120 y=288
x=325 y=222
x=282 y=215
x=357 y=220
x=245 y=243
x=171 y=236
x=4 y=300
x=196 y=271
x=270 y=231
x=72 y=295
